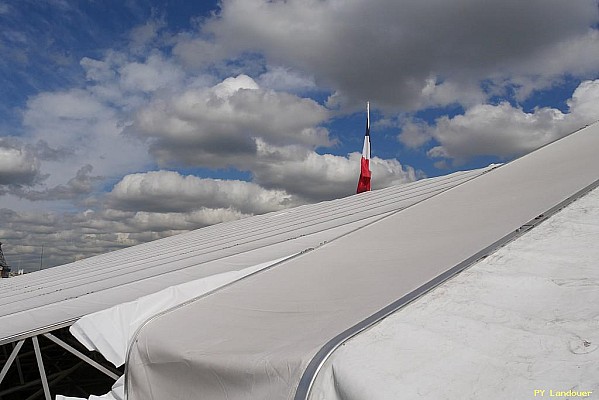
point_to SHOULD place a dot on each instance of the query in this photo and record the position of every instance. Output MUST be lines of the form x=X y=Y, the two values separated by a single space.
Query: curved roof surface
x=266 y=335
x=48 y=299
x=520 y=322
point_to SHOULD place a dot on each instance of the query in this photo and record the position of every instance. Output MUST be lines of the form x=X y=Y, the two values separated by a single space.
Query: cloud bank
x=391 y=51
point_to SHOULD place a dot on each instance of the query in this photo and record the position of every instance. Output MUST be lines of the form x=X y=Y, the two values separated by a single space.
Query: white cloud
x=231 y=86
x=97 y=70
x=503 y=130
x=82 y=184
x=168 y=191
x=86 y=126
x=415 y=134
x=144 y=35
x=168 y=222
x=18 y=165
x=317 y=177
x=74 y=235
x=218 y=126
x=153 y=74
x=500 y=130
x=73 y=104
x=388 y=51
x=584 y=104
x=285 y=79
x=196 y=53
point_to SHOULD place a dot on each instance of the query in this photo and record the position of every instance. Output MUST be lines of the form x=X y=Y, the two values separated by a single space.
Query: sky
x=127 y=121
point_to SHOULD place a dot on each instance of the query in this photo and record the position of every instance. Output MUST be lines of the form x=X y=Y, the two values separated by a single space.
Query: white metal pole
x=82 y=356
x=10 y=360
x=40 y=365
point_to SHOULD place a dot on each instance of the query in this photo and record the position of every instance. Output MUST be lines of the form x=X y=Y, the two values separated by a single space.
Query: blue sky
x=128 y=121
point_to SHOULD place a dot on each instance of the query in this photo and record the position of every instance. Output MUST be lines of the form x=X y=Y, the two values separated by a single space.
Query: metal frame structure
x=46 y=381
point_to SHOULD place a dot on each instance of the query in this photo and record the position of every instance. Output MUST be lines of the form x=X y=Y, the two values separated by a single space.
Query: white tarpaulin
x=524 y=319
x=109 y=331
x=255 y=339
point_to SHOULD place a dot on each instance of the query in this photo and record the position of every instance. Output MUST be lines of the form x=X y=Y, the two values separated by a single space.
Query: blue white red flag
x=365 y=173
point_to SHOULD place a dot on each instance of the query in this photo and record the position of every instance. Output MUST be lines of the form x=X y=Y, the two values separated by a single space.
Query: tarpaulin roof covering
x=519 y=323
x=268 y=300
x=45 y=300
x=267 y=335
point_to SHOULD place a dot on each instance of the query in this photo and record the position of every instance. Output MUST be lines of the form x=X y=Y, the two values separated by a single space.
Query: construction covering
x=269 y=334
x=520 y=324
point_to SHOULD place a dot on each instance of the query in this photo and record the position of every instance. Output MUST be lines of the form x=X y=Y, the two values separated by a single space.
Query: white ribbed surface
x=41 y=299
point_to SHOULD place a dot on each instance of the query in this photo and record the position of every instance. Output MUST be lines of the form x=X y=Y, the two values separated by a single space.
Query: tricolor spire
x=365 y=173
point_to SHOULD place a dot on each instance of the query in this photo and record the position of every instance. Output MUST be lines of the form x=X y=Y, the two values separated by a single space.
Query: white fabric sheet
x=254 y=339
x=109 y=331
x=526 y=318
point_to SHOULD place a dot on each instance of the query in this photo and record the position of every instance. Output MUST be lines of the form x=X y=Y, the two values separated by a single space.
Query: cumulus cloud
x=317 y=177
x=218 y=126
x=503 y=130
x=500 y=130
x=81 y=184
x=584 y=102
x=285 y=79
x=251 y=124
x=18 y=164
x=388 y=51
x=82 y=126
x=153 y=74
x=144 y=35
x=66 y=119
x=44 y=152
x=195 y=53
x=182 y=120
x=168 y=191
